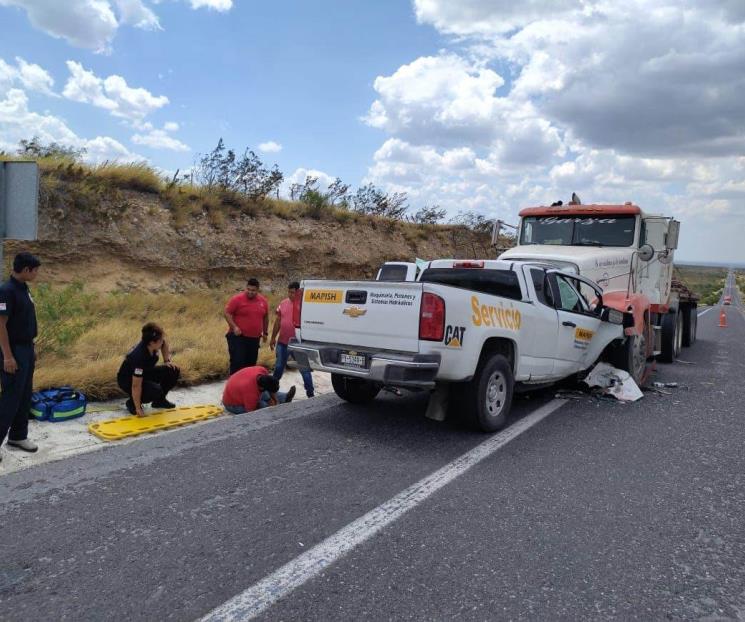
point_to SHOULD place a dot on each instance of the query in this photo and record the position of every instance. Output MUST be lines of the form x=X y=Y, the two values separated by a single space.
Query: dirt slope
x=133 y=243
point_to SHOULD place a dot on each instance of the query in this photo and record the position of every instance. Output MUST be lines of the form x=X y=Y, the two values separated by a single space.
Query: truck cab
x=629 y=253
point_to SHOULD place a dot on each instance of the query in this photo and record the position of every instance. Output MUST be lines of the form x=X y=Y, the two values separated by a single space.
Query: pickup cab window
x=542 y=289
x=393 y=273
x=502 y=283
x=570 y=298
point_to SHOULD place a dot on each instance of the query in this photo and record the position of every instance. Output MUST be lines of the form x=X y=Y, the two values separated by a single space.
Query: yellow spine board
x=124 y=427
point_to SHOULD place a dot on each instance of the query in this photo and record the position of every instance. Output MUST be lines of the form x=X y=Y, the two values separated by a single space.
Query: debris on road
x=614 y=382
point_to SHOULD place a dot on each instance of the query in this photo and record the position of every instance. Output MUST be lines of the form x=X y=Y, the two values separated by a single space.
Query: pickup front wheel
x=488 y=397
x=354 y=390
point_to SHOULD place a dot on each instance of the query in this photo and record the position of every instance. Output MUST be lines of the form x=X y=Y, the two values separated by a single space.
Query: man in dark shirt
x=141 y=378
x=17 y=333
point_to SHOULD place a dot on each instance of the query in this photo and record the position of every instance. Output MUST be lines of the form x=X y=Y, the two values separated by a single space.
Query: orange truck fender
x=636 y=304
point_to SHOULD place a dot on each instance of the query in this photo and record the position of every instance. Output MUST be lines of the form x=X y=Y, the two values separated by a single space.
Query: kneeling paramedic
x=141 y=378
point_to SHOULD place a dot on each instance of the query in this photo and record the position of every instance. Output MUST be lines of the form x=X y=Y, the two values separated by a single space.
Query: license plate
x=353 y=360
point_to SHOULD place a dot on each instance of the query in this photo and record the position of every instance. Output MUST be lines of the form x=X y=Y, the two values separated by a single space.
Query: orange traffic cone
x=722 y=319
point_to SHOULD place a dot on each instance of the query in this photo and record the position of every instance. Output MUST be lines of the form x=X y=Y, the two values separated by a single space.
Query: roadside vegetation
x=83 y=337
x=225 y=184
x=707 y=282
x=740 y=280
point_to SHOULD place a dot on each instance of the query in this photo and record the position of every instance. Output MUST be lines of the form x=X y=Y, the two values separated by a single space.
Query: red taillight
x=297 y=308
x=432 y=318
x=468 y=264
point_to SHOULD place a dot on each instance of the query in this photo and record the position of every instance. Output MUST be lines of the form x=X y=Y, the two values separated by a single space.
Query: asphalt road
x=600 y=511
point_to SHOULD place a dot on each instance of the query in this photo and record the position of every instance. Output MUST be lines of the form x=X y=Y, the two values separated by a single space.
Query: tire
x=487 y=398
x=354 y=390
x=631 y=356
x=672 y=336
x=690 y=326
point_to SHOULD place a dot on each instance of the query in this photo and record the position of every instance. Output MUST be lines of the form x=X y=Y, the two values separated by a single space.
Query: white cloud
x=93 y=24
x=17 y=122
x=476 y=17
x=636 y=101
x=88 y=24
x=217 y=5
x=32 y=77
x=171 y=126
x=132 y=103
x=112 y=94
x=652 y=77
x=270 y=147
x=159 y=139
x=438 y=99
x=84 y=86
x=135 y=13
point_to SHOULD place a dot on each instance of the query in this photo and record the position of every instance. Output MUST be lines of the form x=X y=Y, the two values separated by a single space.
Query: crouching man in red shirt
x=251 y=388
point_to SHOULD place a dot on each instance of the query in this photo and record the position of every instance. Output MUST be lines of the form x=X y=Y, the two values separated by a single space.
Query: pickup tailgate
x=365 y=314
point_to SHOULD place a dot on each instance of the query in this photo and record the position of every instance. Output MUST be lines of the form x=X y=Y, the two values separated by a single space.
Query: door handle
x=572 y=324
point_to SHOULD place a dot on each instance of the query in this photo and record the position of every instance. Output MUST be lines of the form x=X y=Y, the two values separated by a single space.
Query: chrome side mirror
x=645 y=252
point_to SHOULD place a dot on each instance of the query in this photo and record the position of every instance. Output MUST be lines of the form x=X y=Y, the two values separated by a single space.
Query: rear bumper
x=389 y=368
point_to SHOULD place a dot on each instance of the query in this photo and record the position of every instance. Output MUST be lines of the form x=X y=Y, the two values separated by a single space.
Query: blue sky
x=296 y=73
x=479 y=105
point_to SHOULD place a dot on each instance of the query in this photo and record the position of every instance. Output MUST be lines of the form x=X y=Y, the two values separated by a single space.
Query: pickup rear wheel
x=488 y=397
x=354 y=390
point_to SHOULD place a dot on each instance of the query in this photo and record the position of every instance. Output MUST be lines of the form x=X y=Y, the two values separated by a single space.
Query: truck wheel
x=672 y=336
x=631 y=356
x=354 y=390
x=488 y=397
x=690 y=326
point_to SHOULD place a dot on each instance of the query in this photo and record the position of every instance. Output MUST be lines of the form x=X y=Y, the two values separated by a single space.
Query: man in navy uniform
x=17 y=334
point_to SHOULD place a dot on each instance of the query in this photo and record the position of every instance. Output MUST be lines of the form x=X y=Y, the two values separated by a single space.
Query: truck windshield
x=578 y=230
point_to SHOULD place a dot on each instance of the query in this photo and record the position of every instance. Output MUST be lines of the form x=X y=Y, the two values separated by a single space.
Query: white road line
x=262 y=595
x=705 y=311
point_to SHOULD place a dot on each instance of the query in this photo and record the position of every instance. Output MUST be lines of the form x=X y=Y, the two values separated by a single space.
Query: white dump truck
x=629 y=253
x=468 y=330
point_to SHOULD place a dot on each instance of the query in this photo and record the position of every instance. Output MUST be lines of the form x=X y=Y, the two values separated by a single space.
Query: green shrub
x=63 y=315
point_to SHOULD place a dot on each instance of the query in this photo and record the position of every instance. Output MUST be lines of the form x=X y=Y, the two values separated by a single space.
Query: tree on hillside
x=34 y=148
x=374 y=202
x=299 y=191
x=338 y=193
x=473 y=221
x=220 y=169
x=428 y=215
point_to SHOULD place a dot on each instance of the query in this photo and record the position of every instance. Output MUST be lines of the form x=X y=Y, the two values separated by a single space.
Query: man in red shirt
x=282 y=332
x=247 y=315
x=251 y=388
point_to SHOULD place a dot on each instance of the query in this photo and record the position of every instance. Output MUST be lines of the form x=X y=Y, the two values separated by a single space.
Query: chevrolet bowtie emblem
x=354 y=311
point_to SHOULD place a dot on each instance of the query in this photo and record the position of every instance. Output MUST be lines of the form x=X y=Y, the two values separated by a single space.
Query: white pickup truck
x=468 y=329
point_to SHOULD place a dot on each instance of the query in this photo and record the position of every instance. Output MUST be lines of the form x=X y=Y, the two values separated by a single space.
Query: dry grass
x=88 y=358
x=133 y=176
